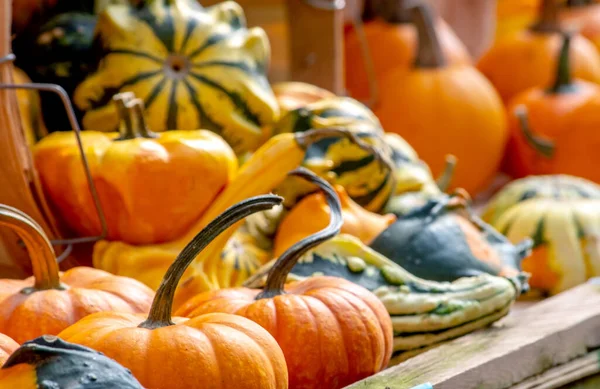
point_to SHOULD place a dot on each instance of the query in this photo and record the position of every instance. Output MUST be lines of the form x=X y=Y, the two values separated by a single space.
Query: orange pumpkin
x=215 y=350
x=49 y=302
x=527 y=59
x=332 y=332
x=390 y=39
x=441 y=108
x=312 y=214
x=7 y=347
x=586 y=18
x=529 y=153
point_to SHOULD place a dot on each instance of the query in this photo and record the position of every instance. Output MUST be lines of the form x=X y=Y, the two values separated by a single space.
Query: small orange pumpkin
x=215 y=350
x=312 y=214
x=49 y=302
x=7 y=347
x=526 y=59
x=529 y=153
x=390 y=38
x=441 y=108
x=332 y=332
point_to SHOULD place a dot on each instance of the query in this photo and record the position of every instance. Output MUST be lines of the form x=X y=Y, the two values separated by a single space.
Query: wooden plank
x=535 y=340
x=316 y=44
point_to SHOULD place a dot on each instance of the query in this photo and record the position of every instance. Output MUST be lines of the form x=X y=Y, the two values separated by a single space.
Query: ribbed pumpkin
x=166 y=352
x=560 y=214
x=537 y=115
x=152 y=187
x=527 y=59
x=441 y=108
x=585 y=16
x=194 y=67
x=262 y=173
x=30 y=109
x=312 y=214
x=368 y=179
x=557 y=187
x=390 y=41
x=48 y=362
x=7 y=347
x=331 y=331
x=50 y=301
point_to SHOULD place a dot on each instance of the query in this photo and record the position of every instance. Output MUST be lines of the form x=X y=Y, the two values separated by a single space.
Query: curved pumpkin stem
x=547 y=21
x=162 y=305
x=136 y=109
x=444 y=180
x=126 y=129
x=275 y=283
x=393 y=11
x=563 y=82
x=429 y=51
x=43 y=261
x=543 y=146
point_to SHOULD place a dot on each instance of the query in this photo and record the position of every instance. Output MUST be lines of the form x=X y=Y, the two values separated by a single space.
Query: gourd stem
x=136 y=108
x=542 y=146
x=162 y=305
x=126 y=129
x=547 y=21
x=579 y=3
x=277 y=277
x=393 y=11
x=43 y=261
x=563 y=81
x=444 y=180
x=429 y=51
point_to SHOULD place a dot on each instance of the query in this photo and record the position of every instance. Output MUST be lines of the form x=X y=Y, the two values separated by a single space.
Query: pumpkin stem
x=444 y=180
x=393 y=11
x=277 y=277
x=162 y=305
x=126 y=128
x=563 y=83
x=43 y=261
x=429 y=51
x=136 y=108
x=579 y=3
x=541 y=145
x=547 y=21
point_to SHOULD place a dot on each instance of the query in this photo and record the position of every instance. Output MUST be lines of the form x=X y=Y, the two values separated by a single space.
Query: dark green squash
x=48 y=362
x=443 y=241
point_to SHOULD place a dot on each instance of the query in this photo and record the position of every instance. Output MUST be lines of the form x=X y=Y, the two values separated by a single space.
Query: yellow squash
x=194 y=67
x=152 y=187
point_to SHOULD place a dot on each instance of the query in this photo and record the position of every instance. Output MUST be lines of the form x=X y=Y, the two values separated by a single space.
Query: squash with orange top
x=152 y=187
x=390 y=39
x=165 y=352
x=525 y=60
x=50 y=301
x=442 y=108
x=537 y=116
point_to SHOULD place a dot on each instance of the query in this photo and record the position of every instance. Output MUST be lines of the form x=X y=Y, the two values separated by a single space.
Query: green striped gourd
x=194 y=67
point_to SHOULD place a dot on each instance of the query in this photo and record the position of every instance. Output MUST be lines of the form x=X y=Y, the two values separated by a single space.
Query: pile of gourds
x=204 y=276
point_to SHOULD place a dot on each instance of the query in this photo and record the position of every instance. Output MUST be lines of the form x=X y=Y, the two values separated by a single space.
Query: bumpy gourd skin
x=49 y=362
x=194 y=67
x=151 y=190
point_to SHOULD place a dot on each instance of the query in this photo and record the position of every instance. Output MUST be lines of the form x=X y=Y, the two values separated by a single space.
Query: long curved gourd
x=338 y=160
x=557 y=187
x=262 y=173
x=48 y=362
x=560 y=214
x=50 y=301
x=194 y=67
x=537 y=119
x=166 y=352
x=331 y=331
x=30 y=109
x=7 y=347
x=443 y=241
x=424 y=313
x=152 y=186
